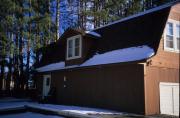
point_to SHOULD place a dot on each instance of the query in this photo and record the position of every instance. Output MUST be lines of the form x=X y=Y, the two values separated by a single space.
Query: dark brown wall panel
x=119 y=87
x=39 y=83
x=155 y=75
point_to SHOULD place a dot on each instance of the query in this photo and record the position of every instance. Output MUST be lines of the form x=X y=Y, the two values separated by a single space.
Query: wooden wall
x=153 y=76
x=163 y=67
x=166 y=58
x=119 y=87
x=39 y=83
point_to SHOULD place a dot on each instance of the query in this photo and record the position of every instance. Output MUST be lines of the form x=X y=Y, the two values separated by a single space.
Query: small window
x=77 y=46
x=70 y=48
x=74 y=47
x=169 y=35
x=172 y=34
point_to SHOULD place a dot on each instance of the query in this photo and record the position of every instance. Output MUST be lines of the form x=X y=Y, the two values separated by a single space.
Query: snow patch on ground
x=10 y=99
x=29 y=115
x=7 y=105
x=57 y=108
x=74 y=109
x=115 y=56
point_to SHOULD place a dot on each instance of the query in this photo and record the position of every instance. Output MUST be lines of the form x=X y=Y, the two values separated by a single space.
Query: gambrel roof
x=143 y=29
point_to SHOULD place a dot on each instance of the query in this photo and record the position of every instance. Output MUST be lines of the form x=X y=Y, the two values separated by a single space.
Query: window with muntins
x=74 y=47
x=172 y=34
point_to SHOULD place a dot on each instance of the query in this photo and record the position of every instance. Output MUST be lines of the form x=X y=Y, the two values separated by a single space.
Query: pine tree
x=5 y=28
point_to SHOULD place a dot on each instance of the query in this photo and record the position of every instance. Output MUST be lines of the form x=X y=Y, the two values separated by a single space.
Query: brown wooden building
x=131 y=65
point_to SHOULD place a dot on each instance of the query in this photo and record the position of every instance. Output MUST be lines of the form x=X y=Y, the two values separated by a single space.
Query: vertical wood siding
x=155 y=75
x=164 y=67
x=39 y=81
x=119 y=87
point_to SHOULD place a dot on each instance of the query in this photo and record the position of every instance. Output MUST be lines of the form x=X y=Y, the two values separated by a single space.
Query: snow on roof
x=55 y=66
x=115 y=56
x=139 y=14
x=121 y=55
x=93 y=33
x=50 y=67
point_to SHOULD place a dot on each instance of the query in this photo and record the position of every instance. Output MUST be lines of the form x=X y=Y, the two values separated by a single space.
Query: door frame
x=45 y=88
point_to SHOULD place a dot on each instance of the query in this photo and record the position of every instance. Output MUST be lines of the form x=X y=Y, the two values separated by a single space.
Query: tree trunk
x=57 y=18
x=16 y=64
x=49 y=24
x=28 y=49
x=21 y=60
x=9 y=76
x=21 y=48
x=2 y=75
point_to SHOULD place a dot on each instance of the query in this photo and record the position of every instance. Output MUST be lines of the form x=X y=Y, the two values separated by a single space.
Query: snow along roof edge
x=115 y=56
x=139 y=14
x=93 y=33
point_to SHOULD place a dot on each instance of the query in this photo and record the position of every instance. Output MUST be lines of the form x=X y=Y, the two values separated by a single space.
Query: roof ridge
x=139 y=14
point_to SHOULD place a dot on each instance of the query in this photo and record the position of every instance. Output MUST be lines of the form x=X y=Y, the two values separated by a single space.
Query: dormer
x=78 y=46
x=74 y=47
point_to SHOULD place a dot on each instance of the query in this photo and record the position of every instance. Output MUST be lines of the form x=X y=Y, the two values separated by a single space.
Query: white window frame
x=73 y=47
x=174 y=49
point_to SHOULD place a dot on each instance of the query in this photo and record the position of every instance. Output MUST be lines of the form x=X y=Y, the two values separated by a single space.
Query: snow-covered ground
x=10 y=99
x=56 y=108
x=7 y=105
x=29 y=115
x=73 y=109
x=9 y=102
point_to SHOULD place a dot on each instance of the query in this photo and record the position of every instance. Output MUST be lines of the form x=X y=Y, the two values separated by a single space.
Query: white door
x=169 y=98
x=46 y=85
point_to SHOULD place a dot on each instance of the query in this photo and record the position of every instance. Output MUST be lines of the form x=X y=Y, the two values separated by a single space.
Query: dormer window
x=74 y=45
x=171 y=38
